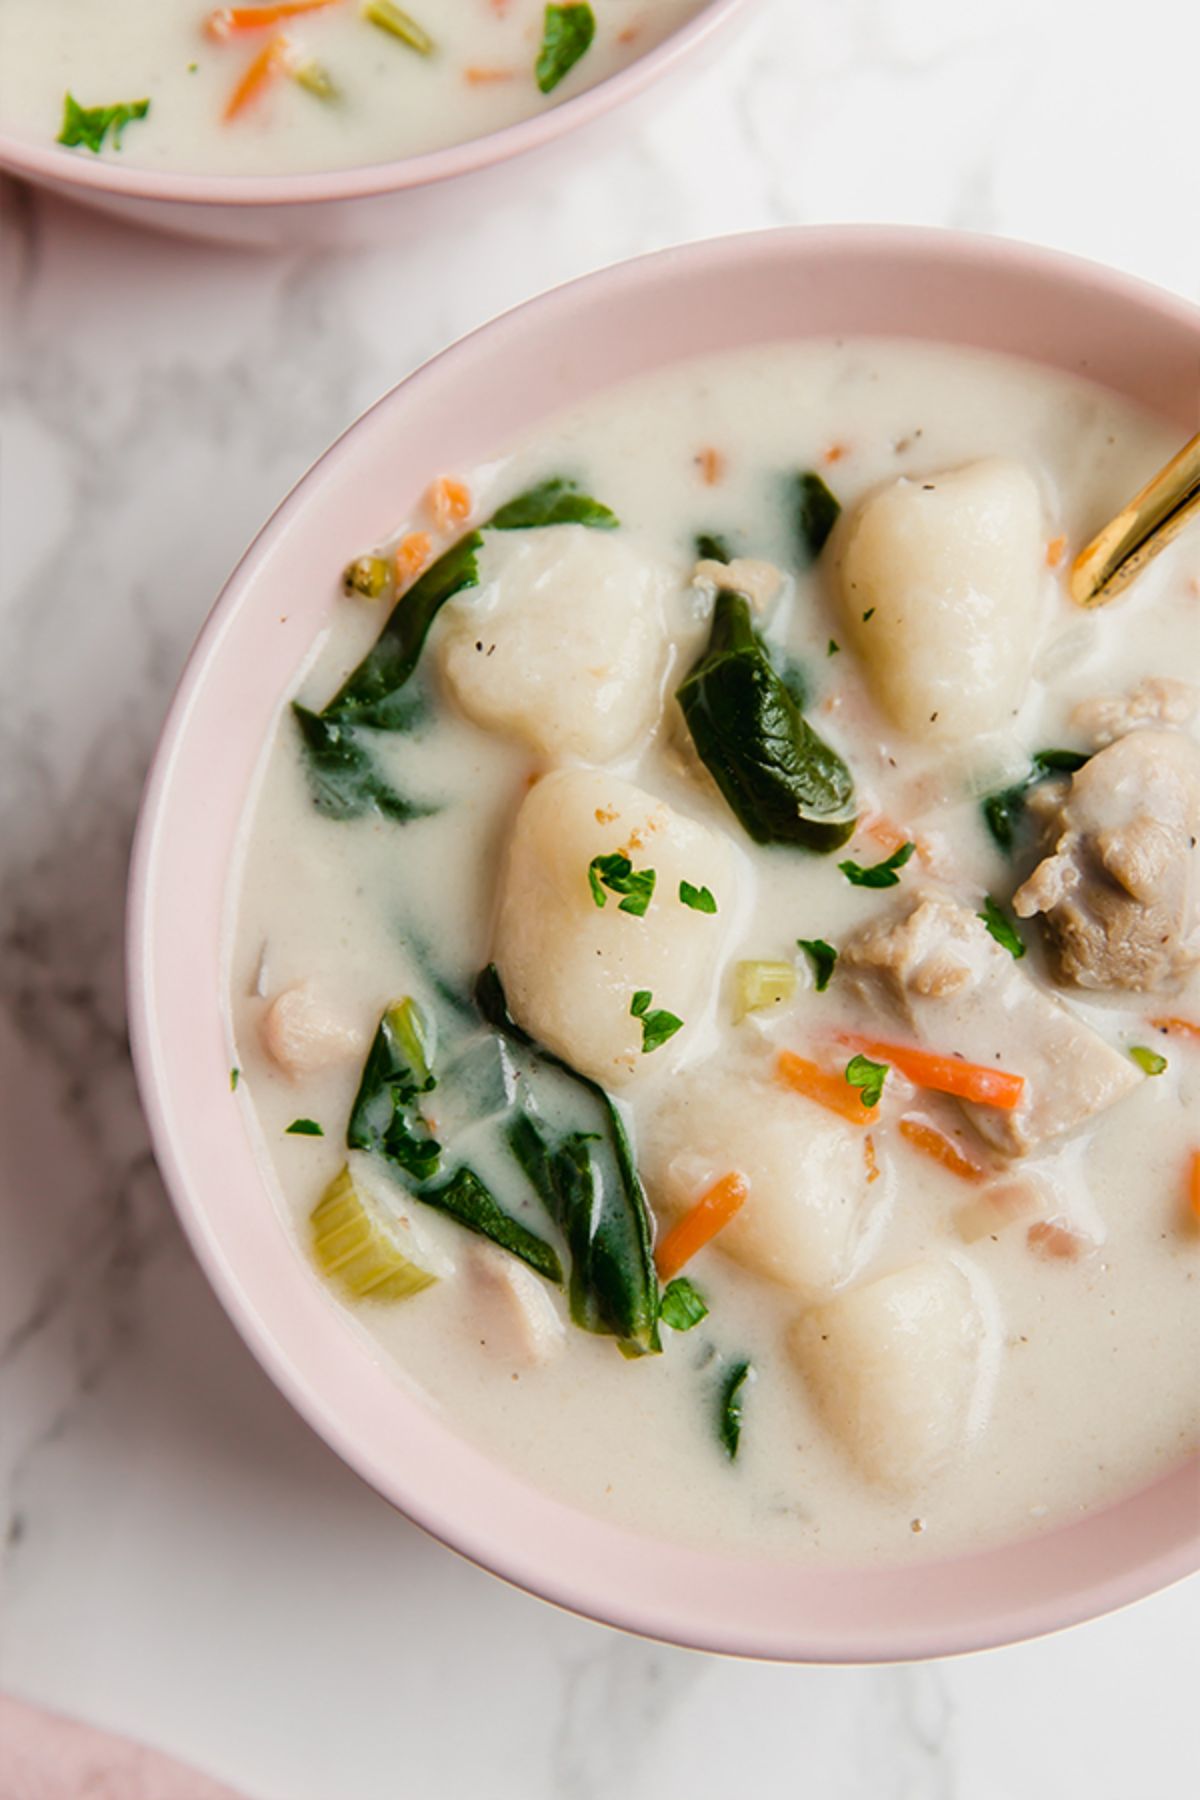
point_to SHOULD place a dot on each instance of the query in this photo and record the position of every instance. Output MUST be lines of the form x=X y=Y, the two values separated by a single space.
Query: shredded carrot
x=629 y=35
x=711 y=1213
x=1054 y=552
x=477 y=77
x=257 y=75
x=711 y=465
x=948 y=1074
x=1194 y=1184
x=412 y=553
x=1053 y=1241
x=871 y=1160
x=833 y=1092
x=1177 y=1027
x=835 y=453
x=229 y=21
x=931 y=1142
x=449 y=502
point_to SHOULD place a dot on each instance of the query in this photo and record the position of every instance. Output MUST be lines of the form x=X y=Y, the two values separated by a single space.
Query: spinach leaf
x=372 y=694
x=588 y=1181
x=682 y=1305
x=883 y=874
x=464 y=1197
x=88 y=126
x=791 y=674
x=1004 y=812
x=711 y=548
x=815 y=512
x=1002 y=928
x=342 y=776
x=554 y=502
x=785 y=784
x=386 y=1117
x=567 y=33
x=729 y=1413
x=823 y=958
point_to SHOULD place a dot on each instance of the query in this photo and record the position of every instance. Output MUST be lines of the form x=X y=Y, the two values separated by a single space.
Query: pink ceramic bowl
x=460 y=409
x=366 y=204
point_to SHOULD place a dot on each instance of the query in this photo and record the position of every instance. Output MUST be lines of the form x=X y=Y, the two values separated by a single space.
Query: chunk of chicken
x=761 y=582
x=564 y=643
x=517 y=1317
x=1158 y=700
x=570 y=967
x=899 y=1370
x=940 y=589
x=1120 y=894
x=806 y=1220
x=303 y=1033
x=939 y=970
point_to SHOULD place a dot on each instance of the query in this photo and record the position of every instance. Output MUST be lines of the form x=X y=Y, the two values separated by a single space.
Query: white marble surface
x=183 y=1560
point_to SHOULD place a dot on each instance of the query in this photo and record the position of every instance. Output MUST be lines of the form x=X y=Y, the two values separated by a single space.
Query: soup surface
x=318 y=84
x=851 y=859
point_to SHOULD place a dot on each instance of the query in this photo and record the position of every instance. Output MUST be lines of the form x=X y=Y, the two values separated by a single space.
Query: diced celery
x=315 y=79
x=354 y=1245
x=368 y=576
x=758 y=985
x=399 y=24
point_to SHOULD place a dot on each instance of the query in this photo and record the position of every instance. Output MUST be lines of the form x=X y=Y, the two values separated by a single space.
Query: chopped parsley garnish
x=657 y=1026
x=682 y=1306
x=868 y=1077
x=567 y=33
x=869 y=614
x=883 y=874
x=815 y=515
x=235 y=1075
x=90 y=125
x=823 y=958
x=729 y=1417
x=618 y=874
x=1002 y=928
x=305 y=1128
x=700 y=899
x=1150 y=1062
x=712 y=548
x=834 y=648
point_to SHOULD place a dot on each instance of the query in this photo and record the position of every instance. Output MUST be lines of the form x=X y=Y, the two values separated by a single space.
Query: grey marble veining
x=179 y=1557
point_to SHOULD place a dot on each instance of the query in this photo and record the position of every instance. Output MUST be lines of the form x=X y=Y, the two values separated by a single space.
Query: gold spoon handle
x=1147 y=525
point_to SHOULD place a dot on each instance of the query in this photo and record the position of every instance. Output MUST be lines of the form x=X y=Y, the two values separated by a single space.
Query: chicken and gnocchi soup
x=716 y=966
x=313 y=84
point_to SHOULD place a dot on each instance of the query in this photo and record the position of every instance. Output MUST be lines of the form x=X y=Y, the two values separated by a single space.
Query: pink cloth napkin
x=43 y=1757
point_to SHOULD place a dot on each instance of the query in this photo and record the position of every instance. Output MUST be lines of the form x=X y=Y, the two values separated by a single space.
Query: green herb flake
x=682 y=1305
x=567 y=33
x=1002 y=928
x=305 y=1128
x=235 y=1075
x=868 y=1077
x=712 y=548
x=657 y=1026
x=834 y=648
x=700 y=899
x=617 y=873
x=815 y=514
x=869 y=614
x=823 y=958
x=731 y=1408
x=883 y=874
x=1150 y=1062
x=88 y=126
x=399 y=24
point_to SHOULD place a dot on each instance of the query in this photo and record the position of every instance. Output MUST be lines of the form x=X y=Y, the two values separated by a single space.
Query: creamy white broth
x=389 y=101
x=1085 y=1380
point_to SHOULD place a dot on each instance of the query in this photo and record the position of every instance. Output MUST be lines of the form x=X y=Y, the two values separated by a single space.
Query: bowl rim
x=1138 y=1568
x=55 y=165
